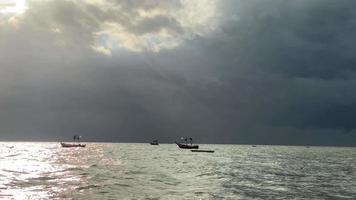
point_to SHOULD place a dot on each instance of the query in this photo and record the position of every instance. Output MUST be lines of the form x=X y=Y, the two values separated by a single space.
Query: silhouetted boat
x=154 y=142
x=74 y=144
x=187 y=145
x=63 y=144
x=203 y=150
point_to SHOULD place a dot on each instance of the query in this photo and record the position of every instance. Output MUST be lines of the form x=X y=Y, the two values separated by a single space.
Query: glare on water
x=142 y=171
x=39 y=170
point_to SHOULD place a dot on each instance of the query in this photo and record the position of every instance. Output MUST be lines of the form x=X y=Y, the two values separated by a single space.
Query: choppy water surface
x=141 y=171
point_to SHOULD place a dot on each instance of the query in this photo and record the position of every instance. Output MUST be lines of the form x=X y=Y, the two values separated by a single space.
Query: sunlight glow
x=194 y=19
x=137 y=27
x=13 y=6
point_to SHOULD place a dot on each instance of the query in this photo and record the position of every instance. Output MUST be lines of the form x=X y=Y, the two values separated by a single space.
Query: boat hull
x=187 y=146
x=67 y=145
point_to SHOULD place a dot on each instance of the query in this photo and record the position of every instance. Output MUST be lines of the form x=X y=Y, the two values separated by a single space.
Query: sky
x=219 y=71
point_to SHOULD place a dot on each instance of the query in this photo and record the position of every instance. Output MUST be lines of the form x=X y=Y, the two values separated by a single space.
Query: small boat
x=63 y=144
x=187 y=145
x=203 y=150
x=74 y=144
x=154 y=142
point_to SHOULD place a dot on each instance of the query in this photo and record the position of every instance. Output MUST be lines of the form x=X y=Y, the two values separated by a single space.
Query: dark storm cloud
x=309 y=45
x=315 y=39
x=272 y=72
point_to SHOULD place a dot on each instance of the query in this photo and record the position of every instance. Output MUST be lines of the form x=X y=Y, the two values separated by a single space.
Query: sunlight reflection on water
x=141 y=171
x=40 y=170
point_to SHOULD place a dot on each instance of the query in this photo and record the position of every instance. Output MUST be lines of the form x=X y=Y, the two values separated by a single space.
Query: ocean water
x=141 y=171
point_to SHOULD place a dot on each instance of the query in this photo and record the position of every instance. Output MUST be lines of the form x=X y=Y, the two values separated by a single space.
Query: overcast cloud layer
x=229 y=71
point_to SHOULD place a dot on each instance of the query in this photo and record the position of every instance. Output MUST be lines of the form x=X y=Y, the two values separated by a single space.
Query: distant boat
x=63 y=144
x=203 y=150
x=154 y=142
x=75 y=143
x=187 y=145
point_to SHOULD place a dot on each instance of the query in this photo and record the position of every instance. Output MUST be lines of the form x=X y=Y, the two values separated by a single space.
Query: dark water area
x=143 y=171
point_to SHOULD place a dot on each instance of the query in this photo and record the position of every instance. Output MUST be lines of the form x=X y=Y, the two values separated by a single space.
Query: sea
x=39 y=170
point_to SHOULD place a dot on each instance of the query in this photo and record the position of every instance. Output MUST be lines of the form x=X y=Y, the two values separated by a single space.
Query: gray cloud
x=271 y=72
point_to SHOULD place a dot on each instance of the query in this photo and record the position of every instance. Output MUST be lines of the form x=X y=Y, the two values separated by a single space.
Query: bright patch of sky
x=13 y=6
x=190 y=19
x=127 y=24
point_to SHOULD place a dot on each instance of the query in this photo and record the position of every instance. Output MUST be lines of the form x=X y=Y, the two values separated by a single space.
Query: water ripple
x=140 y=171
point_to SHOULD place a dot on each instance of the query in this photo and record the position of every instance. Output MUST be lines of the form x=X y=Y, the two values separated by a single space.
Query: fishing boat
x=63 y=144
x=75 y=143
x=187 y=145
x=154 y=142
